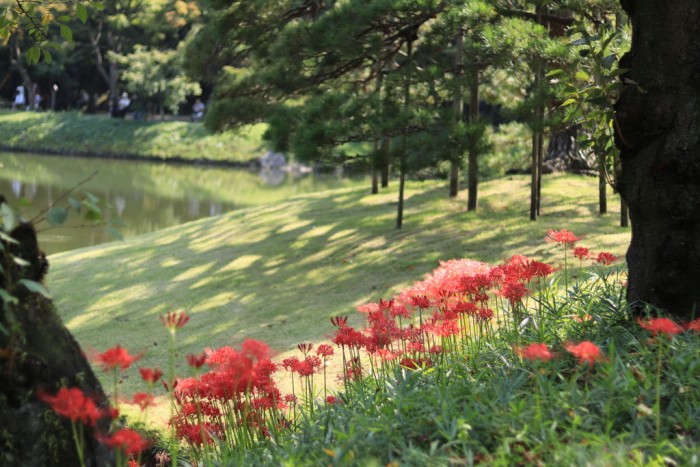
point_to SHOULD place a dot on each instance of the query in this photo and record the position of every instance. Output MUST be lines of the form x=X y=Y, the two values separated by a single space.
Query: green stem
x=657 y=402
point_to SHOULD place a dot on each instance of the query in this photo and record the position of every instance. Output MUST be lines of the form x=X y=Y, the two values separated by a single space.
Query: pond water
x=144 y=196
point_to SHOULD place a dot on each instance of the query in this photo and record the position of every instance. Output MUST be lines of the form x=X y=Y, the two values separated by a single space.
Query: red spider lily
x=535 y=352
x=562 y=237
x=538 y=269
x=196 y=361
x=605 y=258
x=332 y=400
x=133 y=463
x=513 y=291
x=485 y=313
x=661 y=326
x=308 y=366
x=150 y=375
x=73 y=404
x=587 y=352
x=324 y=350
x=693 y=325
x=290 y=399
x=420 y=301
x=116 y=357
x=581 y=253
x=305 y=348
x=349 y=337
x=339 y=321
x=173 y=320
x=144 y=400
x=290 y=363
x=130 y=441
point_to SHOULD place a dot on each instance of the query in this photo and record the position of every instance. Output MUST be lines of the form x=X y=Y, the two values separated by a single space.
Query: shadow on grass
x=279 y=272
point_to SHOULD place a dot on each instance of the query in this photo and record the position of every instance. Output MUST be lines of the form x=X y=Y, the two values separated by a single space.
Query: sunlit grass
x=278 y=272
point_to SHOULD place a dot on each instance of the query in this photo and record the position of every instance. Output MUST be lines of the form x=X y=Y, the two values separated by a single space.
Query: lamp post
x=54 y=90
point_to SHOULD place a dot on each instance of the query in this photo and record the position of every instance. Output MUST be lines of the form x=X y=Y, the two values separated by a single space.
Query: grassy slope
x=99 y=134
x=278 y=272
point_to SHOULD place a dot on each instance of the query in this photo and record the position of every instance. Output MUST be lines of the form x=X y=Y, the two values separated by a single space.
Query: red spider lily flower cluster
x=693 y=325
x=237 y=393
x=116 y=357
x=129 y=441
x=667 y=326
x=196 y=361
x=143 y=400
x=586 y=352
x=562 y=237
x=581 y=253
x=174 y=320
x=150 y=375
x=73 y=404
x=535 y=351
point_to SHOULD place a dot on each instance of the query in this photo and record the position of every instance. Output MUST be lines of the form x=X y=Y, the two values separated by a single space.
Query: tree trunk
x=458 y=109
x=658 y=134
x=565 y=155
x=375 y=168
x=385 y=162
x=602 y=187
x=38 y=353
x=473 y=174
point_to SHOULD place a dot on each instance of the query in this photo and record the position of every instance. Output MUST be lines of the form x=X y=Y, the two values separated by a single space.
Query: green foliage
x=157 y=76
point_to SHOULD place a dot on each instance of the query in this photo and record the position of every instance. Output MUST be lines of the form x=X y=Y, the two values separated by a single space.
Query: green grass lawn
x=83 y=134
x=279 y=272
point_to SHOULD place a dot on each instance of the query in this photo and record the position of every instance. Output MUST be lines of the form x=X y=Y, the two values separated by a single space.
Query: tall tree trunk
x=458 y=109
x=404 y=142
x=658 y=133
x=38 y=353
x=602 y=187
x=473 y=171
x=534 y=178
x=375 y=168
x=385 y=167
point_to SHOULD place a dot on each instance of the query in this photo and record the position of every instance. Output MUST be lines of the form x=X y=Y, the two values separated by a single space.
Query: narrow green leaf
x=7 y=298
x=9 y=217
x=21 y=261
x=568 y=102
x=582 y=75
x=66 y=32
x=7 y=238
x=47 y=56
x=35 y=287
x=57 y=216
x=81 y=11
x=75 y=204
x=33 y=55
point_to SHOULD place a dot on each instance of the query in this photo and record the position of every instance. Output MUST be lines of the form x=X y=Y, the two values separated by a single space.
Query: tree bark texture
x=473 y=171
x=458 y=109
x=39 y=354
x=658 y=133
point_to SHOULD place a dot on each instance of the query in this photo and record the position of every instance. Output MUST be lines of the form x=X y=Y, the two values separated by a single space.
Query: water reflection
x=145 y=196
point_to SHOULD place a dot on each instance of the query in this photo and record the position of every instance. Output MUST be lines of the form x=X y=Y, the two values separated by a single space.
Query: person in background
x=123 y=105
x=20 y=101
x=198 y=110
